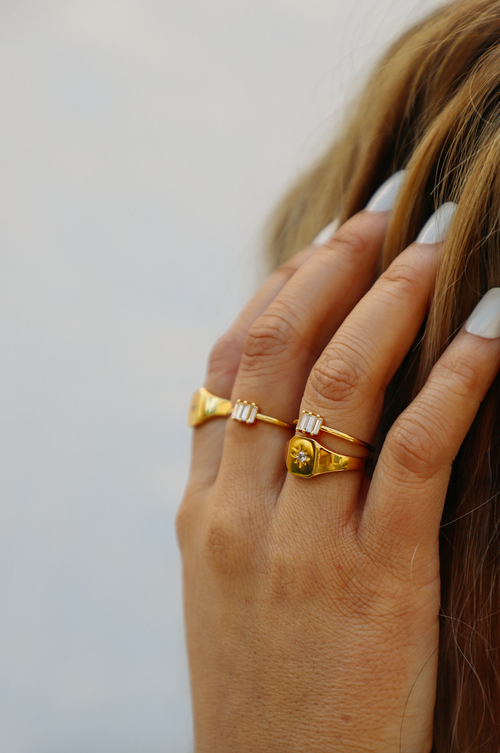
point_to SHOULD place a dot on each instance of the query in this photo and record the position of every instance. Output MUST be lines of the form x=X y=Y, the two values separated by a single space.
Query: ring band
x=248 y=413
x=204 y=405
x=311 y=424
x=307 y=458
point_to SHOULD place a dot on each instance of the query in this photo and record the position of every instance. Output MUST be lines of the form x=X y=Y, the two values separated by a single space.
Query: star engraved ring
x=204 y=405
x=307 y=458
x=248 y=413
x=311 y=425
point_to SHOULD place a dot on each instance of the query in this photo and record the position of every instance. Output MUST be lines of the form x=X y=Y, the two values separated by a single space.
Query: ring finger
x=283 y=344
x=348 y=382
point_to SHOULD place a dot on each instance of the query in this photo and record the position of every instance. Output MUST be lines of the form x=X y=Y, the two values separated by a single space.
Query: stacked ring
x=311 y=424
x=248 y=413
x=307 y=458
x=204 y=405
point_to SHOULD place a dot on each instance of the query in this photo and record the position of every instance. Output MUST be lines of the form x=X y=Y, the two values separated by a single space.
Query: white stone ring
x=311 y=424
x=248 y=413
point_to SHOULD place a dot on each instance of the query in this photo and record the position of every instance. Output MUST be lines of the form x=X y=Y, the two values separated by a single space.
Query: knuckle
x=224 y=356
x=346 y=241
x=459 y=375
x=336 y=377
x=284 y=580
x=183 y=523
x=294 y=574
x=271 y=335
x=287 y=269
x=225 y=545
x=413 y=447
x=402 y=279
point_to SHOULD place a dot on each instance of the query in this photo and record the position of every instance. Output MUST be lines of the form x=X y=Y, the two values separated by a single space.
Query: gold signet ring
x=307 y=458
x=204 y=406
x=248 y=413
x=311 y=424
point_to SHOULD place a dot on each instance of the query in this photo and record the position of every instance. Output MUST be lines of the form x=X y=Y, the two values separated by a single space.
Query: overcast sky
x=142 y=146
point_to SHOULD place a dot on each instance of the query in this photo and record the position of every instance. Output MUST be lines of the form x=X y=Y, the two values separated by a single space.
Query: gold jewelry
x=248 y=413
x=311 y=425
x=204 y=405
x=307 y=458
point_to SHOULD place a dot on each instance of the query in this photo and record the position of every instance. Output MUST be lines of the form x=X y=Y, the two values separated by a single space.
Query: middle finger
x=284 y=343
x=348 y=383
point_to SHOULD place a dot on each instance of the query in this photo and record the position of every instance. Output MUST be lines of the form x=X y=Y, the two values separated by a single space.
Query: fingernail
x=436 y=228
x=325 y=234
x=384 y=198
x=485 y=319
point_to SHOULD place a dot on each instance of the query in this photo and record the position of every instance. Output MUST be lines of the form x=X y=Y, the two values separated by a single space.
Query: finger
x=283 y=344
x=225 y=357
x=406 y=497
x=223 y=365
x=348 y=382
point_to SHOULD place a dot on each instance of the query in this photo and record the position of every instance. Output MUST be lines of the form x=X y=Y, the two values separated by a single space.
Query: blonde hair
x=432 y=106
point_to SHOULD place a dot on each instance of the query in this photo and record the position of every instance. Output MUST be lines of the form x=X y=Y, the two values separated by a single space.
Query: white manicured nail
x=437 y=226
x=385 y=197
x=485 y=319
x=326 y=234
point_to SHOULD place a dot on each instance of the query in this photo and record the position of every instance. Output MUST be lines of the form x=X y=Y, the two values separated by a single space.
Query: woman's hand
x=312 y=605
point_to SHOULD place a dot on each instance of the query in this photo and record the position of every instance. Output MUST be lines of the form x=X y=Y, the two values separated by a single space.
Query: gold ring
x=307 y=458
x=248 y=413
x=204 y=405
x=311 y=425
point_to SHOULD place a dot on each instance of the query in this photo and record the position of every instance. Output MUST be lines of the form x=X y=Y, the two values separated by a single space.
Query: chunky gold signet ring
x=204 y=405
x=307 y=458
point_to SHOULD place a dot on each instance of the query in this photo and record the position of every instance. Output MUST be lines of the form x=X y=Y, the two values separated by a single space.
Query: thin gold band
x=271 y=420
x=248 y=413
x=307 y=458
x=311 y=424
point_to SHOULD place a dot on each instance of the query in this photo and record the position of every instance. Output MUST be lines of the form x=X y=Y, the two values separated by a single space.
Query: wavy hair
x=432 y=106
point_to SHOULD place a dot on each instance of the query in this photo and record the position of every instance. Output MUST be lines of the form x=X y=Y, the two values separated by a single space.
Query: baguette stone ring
x=311 y=424
x=248 y=413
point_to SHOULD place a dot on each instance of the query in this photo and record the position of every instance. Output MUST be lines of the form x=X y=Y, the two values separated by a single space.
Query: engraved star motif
x=300 y=457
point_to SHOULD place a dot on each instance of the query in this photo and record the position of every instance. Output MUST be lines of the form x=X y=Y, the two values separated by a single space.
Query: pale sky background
x=142 y=145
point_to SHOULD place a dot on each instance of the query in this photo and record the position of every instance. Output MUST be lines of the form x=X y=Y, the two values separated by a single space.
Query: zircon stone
x=245 y=412
x=302 y=457
x=237 y=411
x=253 y=413
x=309 y=424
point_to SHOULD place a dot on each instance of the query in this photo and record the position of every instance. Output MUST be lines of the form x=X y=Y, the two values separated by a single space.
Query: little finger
x=405 y=501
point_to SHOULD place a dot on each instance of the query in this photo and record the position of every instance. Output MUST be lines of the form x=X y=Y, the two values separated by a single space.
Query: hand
x=312 y=605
